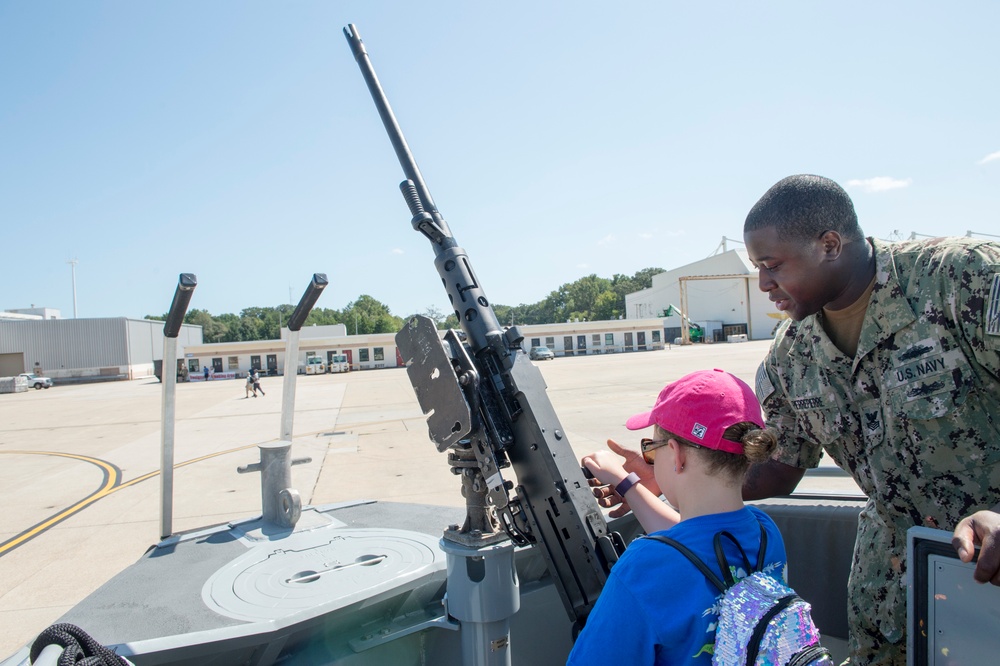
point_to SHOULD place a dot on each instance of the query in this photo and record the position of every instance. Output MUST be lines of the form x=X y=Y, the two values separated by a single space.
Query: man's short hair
x=802 y=207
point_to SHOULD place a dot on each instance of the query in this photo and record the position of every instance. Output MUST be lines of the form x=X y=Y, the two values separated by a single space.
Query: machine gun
x=488 y=407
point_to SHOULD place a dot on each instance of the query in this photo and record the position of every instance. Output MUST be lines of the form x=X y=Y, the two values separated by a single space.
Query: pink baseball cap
x=700 y=407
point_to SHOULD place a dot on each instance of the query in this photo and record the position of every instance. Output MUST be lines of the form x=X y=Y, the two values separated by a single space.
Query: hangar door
x=11 y=365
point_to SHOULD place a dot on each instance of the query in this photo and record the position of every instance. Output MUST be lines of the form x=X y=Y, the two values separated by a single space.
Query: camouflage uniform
x=914 y=417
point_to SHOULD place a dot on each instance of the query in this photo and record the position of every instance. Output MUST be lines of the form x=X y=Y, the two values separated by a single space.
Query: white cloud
x=880 y=183
x=646 y=236
x=992 y=157
x=610 y=238
x=396 y=250
x=583 y=265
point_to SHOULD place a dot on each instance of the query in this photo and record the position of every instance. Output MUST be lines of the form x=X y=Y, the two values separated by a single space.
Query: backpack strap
x=720 y=555
x=811 y=654
x=753 y=645
x=695 y=560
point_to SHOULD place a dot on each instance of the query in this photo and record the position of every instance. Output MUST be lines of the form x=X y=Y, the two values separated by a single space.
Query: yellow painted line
x=111 y=483
x=112 y=476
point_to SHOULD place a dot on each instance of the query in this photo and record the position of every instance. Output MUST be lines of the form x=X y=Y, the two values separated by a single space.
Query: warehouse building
x=85 y=349
x=718 y=294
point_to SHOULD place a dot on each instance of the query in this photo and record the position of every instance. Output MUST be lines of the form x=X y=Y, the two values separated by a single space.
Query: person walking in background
x=249 y=384
x=205 y=371
x=256 y=382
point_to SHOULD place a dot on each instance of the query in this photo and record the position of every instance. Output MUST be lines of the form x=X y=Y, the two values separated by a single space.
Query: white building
x=719 y=293
x=31 y=313
x=378 y=350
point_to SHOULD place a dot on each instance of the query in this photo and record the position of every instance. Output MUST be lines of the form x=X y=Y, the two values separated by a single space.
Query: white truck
x=315 y=365
x=338 y=363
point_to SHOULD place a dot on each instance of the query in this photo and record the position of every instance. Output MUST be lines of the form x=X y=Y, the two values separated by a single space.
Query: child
x=656 y=607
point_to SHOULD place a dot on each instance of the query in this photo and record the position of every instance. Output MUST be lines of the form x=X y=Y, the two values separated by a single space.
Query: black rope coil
x=79 y=648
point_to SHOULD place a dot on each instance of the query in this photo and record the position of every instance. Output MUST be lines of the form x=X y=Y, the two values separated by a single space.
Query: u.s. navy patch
x=993 y=307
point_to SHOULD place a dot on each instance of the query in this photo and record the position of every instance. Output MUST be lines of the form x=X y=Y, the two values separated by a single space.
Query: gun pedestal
x=483 y=591
x=483 y=595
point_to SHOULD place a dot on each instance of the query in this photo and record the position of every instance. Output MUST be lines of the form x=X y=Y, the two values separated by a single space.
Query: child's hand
x=605 y=466
x=604 y=490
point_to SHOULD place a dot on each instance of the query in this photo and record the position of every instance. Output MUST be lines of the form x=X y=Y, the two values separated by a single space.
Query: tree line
x=590 y=298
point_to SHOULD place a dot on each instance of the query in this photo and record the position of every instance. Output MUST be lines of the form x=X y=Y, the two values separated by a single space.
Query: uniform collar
x=888 y=311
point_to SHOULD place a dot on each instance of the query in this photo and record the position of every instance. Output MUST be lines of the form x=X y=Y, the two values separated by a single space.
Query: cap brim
x=640 y=421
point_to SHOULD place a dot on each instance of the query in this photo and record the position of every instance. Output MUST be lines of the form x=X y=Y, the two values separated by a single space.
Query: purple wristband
x=626 y=484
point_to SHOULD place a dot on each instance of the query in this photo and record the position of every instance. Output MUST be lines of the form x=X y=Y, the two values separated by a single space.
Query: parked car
x=541 y=354
x=37 y=381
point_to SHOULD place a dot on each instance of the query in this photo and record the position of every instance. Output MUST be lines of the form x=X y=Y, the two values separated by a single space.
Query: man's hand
x=632 y=462
x=980 y=529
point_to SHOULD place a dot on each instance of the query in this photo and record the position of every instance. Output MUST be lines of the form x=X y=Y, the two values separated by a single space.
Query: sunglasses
x=649 y=446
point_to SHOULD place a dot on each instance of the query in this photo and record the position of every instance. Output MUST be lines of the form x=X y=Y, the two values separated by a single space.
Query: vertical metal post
x=302 y=310
x=288 y=387
x=72 y=265
x=685 y=321
x=168 y=375
x=746 y=290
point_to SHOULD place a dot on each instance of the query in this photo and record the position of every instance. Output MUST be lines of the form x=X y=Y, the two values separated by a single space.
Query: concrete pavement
x=79 y=464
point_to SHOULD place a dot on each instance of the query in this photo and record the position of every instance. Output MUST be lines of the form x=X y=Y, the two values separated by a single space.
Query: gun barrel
x=399 y=144
x=470 y=304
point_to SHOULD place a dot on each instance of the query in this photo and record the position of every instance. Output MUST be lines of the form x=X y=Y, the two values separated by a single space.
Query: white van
x=338 y=363
x=315 y=365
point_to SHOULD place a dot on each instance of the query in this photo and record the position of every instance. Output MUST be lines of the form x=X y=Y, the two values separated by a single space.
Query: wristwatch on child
x=626 y=484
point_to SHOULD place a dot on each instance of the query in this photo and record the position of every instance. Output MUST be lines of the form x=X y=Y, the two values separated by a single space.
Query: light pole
x=72 y=264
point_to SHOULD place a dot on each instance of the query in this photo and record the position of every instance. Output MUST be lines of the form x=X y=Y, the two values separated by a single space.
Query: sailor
x=890 y=363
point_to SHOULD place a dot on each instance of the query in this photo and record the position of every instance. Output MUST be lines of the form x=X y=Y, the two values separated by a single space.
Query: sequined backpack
x=761 y=620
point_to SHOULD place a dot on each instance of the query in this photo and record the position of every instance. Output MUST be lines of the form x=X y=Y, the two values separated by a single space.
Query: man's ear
x=832 y=244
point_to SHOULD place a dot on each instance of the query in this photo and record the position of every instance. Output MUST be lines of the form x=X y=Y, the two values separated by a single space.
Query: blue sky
x=237 y=140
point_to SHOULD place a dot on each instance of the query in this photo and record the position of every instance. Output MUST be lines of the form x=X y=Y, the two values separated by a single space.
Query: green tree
x=606 y=306
x=591 y=298
x=370 y=316
x=212 y=330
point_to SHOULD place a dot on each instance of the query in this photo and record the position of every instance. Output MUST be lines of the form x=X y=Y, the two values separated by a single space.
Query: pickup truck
x=37 y=381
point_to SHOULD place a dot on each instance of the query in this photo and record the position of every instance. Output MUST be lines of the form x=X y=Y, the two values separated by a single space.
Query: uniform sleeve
x=977 y=304
x=792 y=449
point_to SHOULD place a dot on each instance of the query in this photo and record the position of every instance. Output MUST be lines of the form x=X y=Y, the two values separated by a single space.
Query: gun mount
x=488 y=404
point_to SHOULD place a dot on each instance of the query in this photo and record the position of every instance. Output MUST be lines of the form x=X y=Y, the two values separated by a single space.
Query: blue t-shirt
x=657 y=607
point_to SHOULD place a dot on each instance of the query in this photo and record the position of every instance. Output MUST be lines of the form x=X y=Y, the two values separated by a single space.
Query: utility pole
x=72 y=264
